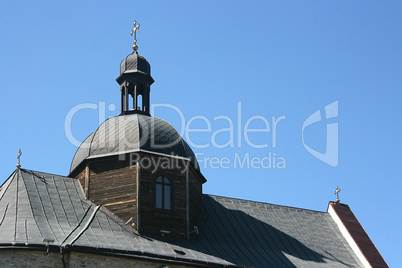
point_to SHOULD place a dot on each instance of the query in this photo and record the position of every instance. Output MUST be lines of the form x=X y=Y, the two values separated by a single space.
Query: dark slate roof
x=135 y=63
x=133 y=133
x=35 y=206
x=255 y=234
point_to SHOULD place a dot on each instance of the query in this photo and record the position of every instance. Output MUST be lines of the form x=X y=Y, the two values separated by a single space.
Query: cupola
x=138 y=166
x=135 y=81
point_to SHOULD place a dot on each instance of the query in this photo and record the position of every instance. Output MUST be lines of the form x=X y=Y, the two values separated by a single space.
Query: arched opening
x=130 y=103
x=139 y=102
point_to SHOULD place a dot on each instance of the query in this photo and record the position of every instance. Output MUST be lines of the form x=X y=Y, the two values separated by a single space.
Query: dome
x=133 y=133
x=135 y=63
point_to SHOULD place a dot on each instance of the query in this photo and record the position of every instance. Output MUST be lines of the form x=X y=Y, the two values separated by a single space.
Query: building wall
x=153 y=220
x=26 y=258
x=195 y=192
x=33 y=258
x=78 y=260
x=81 y=178
x=113 y=183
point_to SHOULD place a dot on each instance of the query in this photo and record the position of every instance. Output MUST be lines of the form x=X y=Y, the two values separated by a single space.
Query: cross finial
x=337 y=194
x=18 y=157
x=134 y=31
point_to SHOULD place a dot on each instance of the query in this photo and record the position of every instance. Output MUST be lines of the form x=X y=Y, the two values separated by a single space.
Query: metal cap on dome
x=135 y=63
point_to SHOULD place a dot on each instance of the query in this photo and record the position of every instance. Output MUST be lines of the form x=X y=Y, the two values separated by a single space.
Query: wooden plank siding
x=195 y=192
x=81 y=178
x=154 y=220
x=113 y=183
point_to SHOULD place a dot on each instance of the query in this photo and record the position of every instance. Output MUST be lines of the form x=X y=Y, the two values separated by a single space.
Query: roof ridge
x=260 y=202
x=76 y=227
x=139 y=132
x=87 y=224
x=30 y=206
x=47 y=173
x=8 y=180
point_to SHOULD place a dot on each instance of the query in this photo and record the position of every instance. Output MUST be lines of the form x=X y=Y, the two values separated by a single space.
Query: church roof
x=36 y=207
x=133 y=133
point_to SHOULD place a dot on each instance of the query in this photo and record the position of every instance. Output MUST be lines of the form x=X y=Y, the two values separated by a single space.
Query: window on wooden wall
x=163 y=193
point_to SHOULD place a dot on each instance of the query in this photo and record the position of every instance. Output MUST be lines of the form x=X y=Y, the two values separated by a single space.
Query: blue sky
x=276 y=58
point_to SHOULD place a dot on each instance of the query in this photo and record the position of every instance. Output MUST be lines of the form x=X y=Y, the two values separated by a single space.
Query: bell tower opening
x=135 y=89
x=139 y=103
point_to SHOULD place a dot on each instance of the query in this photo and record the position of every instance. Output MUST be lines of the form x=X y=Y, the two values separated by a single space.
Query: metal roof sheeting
x=35 y=206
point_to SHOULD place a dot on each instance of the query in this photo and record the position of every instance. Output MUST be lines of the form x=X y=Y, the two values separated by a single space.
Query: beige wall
x=30 y=258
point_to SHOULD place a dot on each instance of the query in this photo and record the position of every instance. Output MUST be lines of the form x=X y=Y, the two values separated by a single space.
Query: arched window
x=162 y=193
x=139 y=102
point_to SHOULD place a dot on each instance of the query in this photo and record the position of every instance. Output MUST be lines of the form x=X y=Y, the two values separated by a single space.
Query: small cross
x=134 y=31
x=18 y=157
x=337 y=194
